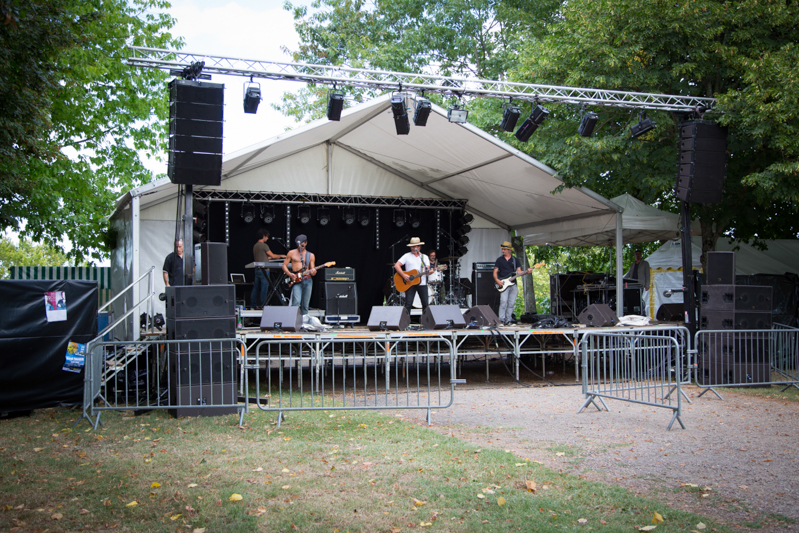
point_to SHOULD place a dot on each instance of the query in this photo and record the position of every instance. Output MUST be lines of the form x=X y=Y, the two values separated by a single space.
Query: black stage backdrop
x=32 y=350
x=352 y=245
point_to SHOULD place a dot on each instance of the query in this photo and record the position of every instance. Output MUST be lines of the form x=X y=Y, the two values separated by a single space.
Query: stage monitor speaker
x=204 y=399
x=341 y=298
x=671 y=313
x=702 y=162
x=388 y=318
x=598 y=315
x=484 y=290
x=481 y=316
x=207 y=366
x=281 y=318
x=213 y=263
x=443 y=317
x=200 y=301
x=720 y=268
x=718 y=297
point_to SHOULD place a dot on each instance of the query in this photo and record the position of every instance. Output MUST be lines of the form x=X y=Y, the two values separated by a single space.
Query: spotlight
x=304 y=214
x=461 y=251
x=335 y=103
x=268 y=213
x=401 y=122
x=349 y=216
x=587 y=124
x=363 y=217
x=399 y=217
x=252 y=97
x=457 y=115
x=463 y=240
x=463 y=230
x=466 y=219
x=248 y=212
x=323 y=216
x=526 y=130
x=423 y=108
x=509 y=117
x=644 y=125
x=416 y=219
x=539 y=114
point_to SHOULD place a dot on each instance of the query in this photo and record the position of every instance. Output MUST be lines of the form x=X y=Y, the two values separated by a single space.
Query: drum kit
x=436 y=288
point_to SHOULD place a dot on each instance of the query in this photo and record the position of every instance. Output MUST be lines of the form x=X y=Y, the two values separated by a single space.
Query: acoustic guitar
x=415 y=278
x=511 y=280
x=306 y=273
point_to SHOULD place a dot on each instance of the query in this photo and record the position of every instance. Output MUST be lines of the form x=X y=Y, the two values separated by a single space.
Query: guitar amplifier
x=483 y=266
x=340 y=274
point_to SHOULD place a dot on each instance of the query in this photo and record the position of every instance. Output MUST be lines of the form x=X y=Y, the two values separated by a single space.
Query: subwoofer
x=388 y=318
x=204 y=399
x=281 y=318
x=200 y=301
x=598 y=315
x=481 y=316
x=443 y=317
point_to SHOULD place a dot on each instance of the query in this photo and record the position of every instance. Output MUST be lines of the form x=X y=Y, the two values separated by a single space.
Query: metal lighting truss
x=327 y=199
x=398 y=81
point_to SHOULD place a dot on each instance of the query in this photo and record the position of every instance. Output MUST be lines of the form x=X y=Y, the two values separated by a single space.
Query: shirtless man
x=298 y=261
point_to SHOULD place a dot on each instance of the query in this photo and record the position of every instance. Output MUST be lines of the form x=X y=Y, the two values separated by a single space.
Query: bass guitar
x=511 y=280
x=305 y=273
x=415 y=278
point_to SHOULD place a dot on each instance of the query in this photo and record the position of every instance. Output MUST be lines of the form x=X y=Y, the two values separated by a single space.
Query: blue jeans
x=301 y=295
x=260 y=289
x=507 y=301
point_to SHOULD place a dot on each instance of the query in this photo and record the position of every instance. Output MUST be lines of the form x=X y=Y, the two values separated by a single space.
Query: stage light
x=323 y=216
x=526 y=130
x=509 y=117
x=199 y=211
x=304 y=214
x=363 y=217
x=587 y=123
x=461 y=251
x=539 y=114
x=268 y=213
x=252 y=97
x=247 y=212
x=400 y=112
x=466 y=219
x=457 y=115
x=335 y=103
x=463 y=240
x=399 y=217
x=644 y=125
x=422 y=112
x=349 y=216
x=463 y=230
x=416 y=218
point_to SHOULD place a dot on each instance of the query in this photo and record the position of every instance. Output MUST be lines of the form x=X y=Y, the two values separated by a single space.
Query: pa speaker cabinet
x=702 y=164
x=720 y=268
x=718 y=297
x=341 y=298
x=200 y=301
x=598 y=315
x=751 y=374
x=443 y=317
x=218 y=327
x=713 y=374
x=200 y=367
x=632 y=301
x=213 y=263
x=753 y=298
x=717 y=319
x=485 y=290
x=670 y=312
x=389 y=318
x=191 y=168
x=282 y=318
x=481 y=315
x=210 y=399
x=753 y=320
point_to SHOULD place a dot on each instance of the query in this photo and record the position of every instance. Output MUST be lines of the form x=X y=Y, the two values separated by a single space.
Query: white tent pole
x=619 y=268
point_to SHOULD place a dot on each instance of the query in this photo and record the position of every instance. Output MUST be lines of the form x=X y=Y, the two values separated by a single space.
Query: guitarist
x=298 y=261
x=505 y=266
x=415 y=260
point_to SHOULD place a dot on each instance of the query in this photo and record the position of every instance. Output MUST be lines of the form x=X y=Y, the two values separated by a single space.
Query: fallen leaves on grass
x=134 y=503
x=657 y=518
x=235 y=497
x=531 y=485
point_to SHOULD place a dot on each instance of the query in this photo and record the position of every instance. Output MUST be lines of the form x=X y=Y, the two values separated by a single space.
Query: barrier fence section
x=638 y=366
x=355 y=374
x=189 y=378
x=747 y=358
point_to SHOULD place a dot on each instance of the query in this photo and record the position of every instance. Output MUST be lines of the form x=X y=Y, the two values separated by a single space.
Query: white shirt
x=412 y=262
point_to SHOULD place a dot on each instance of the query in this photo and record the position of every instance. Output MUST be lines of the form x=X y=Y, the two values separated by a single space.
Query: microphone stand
x=557 y=283
x=395 y=297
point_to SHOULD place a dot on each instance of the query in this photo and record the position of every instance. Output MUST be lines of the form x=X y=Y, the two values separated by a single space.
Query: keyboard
x=268 y=264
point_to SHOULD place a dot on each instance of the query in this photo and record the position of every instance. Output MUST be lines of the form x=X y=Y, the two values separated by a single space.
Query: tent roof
x=446 y=160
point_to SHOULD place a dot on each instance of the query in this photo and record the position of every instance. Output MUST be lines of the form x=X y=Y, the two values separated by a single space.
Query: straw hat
x=506 y=244
x=415 y=241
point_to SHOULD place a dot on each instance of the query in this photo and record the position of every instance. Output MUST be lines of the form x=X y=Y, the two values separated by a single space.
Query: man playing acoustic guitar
x=507 y=265
x=416 y=261
x=303 y=263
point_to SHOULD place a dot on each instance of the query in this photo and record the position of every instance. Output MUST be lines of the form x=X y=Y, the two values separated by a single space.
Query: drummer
x=436 y=277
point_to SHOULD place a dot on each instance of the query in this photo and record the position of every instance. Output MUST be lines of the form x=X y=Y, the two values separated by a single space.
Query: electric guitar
x=415 y=278
x=511 y=280
x=305 y=273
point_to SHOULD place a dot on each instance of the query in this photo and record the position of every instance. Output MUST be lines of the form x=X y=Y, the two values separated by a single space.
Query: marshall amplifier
x=340 y=274
x=483 y=266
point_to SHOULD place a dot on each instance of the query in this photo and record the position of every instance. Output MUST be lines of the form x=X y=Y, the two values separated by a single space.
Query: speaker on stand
x=702 y=163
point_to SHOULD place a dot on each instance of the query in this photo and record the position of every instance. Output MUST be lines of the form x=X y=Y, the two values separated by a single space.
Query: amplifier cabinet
x=340 y=274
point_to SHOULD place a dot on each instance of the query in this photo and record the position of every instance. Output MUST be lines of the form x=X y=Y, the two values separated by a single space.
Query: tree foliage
x=75 y=117
x=27 y=253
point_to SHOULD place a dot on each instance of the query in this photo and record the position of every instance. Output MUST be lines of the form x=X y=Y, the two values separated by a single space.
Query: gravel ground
x=740 y=452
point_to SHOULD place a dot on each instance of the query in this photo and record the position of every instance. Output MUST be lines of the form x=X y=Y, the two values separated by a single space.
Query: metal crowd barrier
x=355 y=374
x=638 y=366
x=747 y=358
x=189 y=378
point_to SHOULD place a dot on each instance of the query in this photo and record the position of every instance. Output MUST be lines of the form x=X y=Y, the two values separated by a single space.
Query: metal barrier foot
x=280 y=418
x=713 y=391
x=590 y=400
x=678 y=419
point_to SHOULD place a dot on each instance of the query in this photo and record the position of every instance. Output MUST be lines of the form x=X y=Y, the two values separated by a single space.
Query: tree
x=27 y=253
x=77 y=117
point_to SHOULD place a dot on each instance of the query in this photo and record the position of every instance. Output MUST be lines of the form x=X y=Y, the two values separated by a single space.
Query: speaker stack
x=734 y=357
x=202 y=374
x=341 y=302
x=703 y=162
x=196 y=111
x=484 y=289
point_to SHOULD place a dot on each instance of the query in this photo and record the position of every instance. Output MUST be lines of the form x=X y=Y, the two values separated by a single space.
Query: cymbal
x=448 y=259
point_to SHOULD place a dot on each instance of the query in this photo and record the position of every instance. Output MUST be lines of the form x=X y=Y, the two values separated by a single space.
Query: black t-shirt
x=173 y=266
x=506 y=267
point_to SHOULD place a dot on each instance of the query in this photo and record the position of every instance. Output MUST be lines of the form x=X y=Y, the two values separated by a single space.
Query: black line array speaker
x=720 y=268
x=213 y=263
x=196 y=113
x=703 y=162
x=443 y=317
x=481 y=316
x=485 y=290
x=598 y=315
x=389 y=318
x=282 y=318
x=200 y=301
x=341 y=298
x=204 y=399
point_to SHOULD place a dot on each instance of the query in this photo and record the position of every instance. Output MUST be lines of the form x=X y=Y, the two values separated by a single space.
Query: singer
x=300 y=264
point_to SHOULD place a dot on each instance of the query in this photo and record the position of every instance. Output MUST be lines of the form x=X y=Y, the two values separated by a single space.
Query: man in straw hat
x=415 y=260
x=506 y=266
